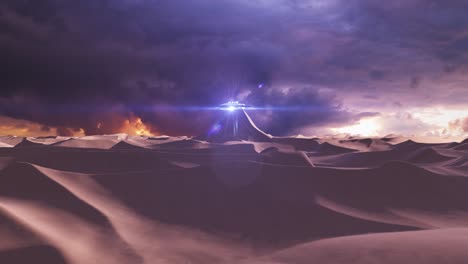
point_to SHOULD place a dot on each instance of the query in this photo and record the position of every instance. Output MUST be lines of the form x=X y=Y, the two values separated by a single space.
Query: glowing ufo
x=235 y=125
x=232 y=106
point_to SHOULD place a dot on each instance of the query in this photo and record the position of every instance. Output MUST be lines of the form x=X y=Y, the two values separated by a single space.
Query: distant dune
x=252 y=198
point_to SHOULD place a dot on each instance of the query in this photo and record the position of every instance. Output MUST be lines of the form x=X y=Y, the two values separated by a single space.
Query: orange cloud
x=135 y=126
x=132 y=125
x=24 y=128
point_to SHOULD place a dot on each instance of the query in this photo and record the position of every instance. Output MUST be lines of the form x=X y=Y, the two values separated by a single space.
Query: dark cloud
x=310 y=108
x=75 y=64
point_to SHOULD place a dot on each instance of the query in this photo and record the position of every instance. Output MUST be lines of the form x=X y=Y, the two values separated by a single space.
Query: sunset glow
x=364 y=127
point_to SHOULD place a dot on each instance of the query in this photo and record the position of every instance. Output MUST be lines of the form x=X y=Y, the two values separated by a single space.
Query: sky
x=365 y=67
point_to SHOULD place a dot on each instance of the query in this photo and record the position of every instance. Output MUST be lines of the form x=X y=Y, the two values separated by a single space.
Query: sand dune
x=10 y=141
x=152 y=241
x=428 y=155
x=304 y=144
x=32 y=254
x=102 y=143
x=4 y=162
x=463 y=146
x=123 y=199
x=47 y=140
x=14 y=235
x=327 y=148
x=420 y=247
x=27 y=143
x=4 y=145
x=296 y=158
x=365 y=144
x=125 y=145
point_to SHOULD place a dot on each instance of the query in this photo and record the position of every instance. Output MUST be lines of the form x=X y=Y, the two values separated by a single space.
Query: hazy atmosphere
x=234 y=131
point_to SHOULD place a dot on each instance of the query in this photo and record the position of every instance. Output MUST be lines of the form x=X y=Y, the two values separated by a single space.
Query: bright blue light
x=232 y=106
x=261 y=85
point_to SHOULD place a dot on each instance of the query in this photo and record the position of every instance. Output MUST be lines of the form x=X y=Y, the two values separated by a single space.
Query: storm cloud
x=77 y=64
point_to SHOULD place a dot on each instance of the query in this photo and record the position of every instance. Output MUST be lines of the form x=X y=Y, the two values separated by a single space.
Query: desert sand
x=253 y=198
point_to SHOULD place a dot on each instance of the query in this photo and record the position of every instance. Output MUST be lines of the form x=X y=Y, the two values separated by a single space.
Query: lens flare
x=232 y=106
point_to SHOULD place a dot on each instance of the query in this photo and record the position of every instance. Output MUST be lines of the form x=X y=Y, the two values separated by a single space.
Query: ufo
x=232 y=106
x=235 y=125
